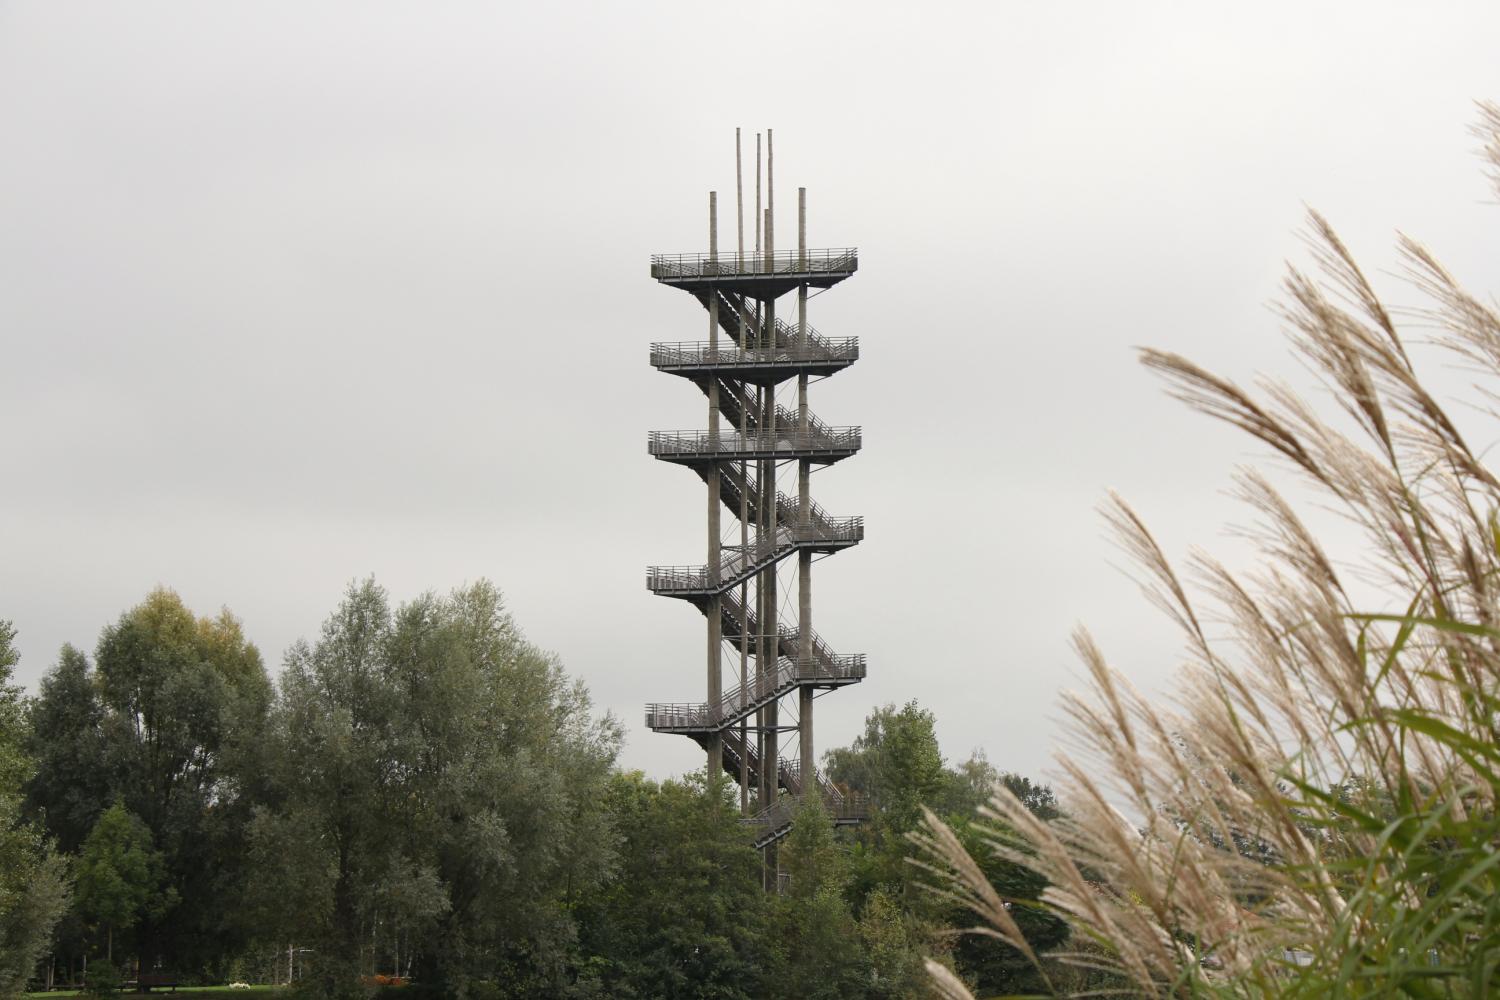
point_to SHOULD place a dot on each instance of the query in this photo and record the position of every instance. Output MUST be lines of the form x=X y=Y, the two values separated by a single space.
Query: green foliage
x=289 y=895
x=167 y=679
x=972 y=783
x=447 y=781
x=426 y=792
x=819 y=949
x=1421 y=913
x=103 y=980
x=182 y=696
x=995 y=966
x=120 y=876
x=331 y=729
x=685 y=915
x=897 y=763
x=509 y=764
x=15 y=768
x=895 y=942
x=992 y=965
x=71 y=784
x=811 y=855
x=33 y=880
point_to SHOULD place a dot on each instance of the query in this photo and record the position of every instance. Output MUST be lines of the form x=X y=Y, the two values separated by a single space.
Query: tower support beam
x=715 y=747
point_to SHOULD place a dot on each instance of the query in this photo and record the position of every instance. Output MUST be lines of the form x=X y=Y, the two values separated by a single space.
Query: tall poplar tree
x=72 y=782
x=33 y=881
x=181 y=695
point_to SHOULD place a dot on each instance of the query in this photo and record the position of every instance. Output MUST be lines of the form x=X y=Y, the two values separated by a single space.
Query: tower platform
x=823 y=445
x=756 y=365
x=760 y=275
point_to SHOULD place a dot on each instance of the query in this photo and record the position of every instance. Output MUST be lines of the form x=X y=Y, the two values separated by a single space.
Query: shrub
x=1317 y=815
x=102 y=980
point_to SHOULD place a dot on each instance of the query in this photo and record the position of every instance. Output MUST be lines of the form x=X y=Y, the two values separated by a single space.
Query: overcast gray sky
x=292 y=293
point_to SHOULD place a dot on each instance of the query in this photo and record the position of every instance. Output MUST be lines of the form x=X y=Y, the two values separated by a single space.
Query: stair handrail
x=737 y=560
x=757 y=691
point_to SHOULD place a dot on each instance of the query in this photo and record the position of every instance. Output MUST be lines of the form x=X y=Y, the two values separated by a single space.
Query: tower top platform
x=761 y=276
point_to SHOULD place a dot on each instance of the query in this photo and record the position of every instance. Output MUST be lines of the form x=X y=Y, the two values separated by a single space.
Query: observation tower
x=755 y=369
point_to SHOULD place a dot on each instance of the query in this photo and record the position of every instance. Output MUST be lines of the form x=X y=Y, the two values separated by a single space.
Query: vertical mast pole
x=769 y=617
x=715 y=621
x=769 y=620
x=739 y=202
x=764 y=796
x=757 y=194
x=805 y=659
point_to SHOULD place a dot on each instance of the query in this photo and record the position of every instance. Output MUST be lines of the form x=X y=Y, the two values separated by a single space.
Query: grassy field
x=196 y=992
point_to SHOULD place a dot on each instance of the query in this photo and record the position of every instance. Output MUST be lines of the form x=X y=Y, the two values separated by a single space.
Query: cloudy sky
x=293 y=293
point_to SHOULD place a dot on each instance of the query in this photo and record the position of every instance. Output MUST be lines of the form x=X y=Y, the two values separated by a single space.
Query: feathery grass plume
x=1314 y=811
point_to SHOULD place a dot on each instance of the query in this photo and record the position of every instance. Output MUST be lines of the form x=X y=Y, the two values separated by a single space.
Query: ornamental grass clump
x=1313 y=814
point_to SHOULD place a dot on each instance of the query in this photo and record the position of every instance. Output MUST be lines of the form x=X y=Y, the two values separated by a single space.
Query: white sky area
x=293 y=293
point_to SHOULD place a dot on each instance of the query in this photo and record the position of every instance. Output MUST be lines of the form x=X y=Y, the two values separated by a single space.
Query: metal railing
x=788 y=772
x=732 y=312
x=732 y=486
x=788 y=638
x=737 y=320
x=735 y=751
x=789 y=333
x=819 y=439
x=843 y=804
x=775 y=820
x=734 y=407
x=735 y=704
x=701 y=265
x=825 y=661
x=702 y=354
x=787 y=417
x=834 y=797
x=789 y=511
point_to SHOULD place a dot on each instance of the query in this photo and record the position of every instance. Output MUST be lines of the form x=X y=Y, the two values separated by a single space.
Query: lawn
x=197 y=993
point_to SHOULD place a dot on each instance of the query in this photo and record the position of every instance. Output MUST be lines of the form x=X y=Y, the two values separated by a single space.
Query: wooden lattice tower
x=751 y=439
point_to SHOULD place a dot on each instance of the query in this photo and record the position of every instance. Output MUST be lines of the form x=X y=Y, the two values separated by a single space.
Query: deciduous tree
x=33 y=882
x=72 y=783
x=819 y=951
x=684 y=915
x=180 y=693
x=120 y=875
x=454 y=777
